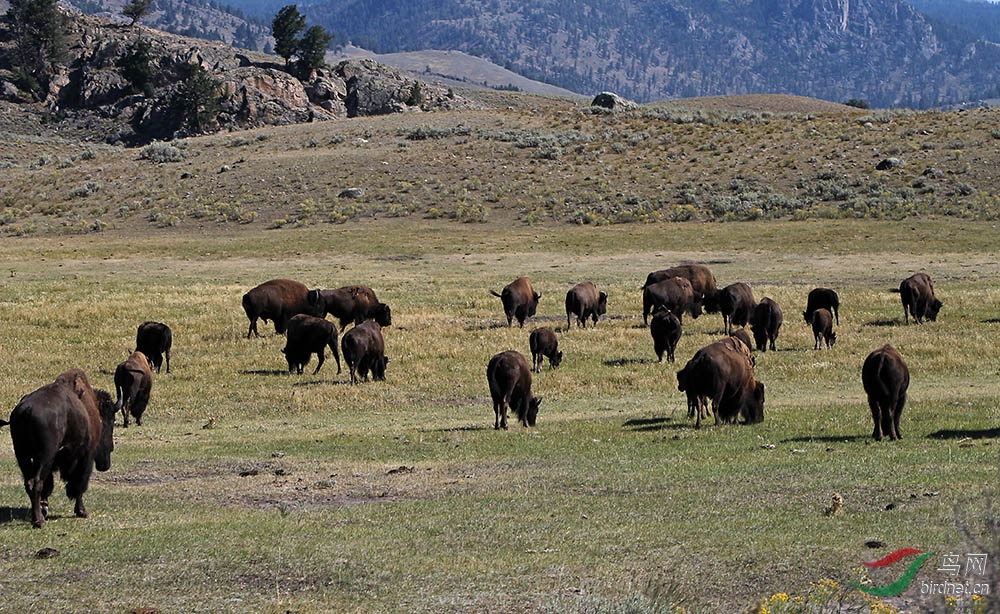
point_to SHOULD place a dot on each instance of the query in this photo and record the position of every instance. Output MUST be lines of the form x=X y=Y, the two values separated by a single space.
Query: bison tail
x=495 y=293
x=3 y=423
x=895 y=290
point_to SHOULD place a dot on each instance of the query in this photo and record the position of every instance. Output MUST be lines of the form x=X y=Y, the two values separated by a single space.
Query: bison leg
x=336 y=353
x=320 y=359
x=39 y=488
x=253 y=328
x=876 y=419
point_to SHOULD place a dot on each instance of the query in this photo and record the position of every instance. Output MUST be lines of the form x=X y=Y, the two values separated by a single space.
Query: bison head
x=532 y=413
x=555 y=360
x=753 y=409
x=602 y=303
x=932 y=309
x=695 y=309
x=381 y=314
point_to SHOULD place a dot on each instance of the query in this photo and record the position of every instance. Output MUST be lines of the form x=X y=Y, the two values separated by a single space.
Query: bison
x=917 y=294
x=584 y=301
x=510 y=387
x=133 y=383
x=519 y=300
x=822 y=298
x=154 y=340
x=722 y=372
x=279 y=300
x=354 y=305
x=674 y=294
x=736 y=303
x=543 y=343
x=665 y=328
x=65 y=425
x=308 y=335
x=822 y=325
x=765 y=322
x=885 y=377
x=741 y=335
x=701 y=278
x=364 y=350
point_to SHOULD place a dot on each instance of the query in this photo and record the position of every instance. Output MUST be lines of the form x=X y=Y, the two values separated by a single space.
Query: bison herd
x=67 y=426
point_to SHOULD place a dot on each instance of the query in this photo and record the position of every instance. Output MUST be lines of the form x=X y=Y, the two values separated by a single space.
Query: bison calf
x=154 y=340
x=584 y=301
x=519 y=300
x=822 y=325
x=543 y=343
x=885 y=377
x=510 y=387
x=364 y=351
x=65 y=426
x=665 y=328
x=765 y=322
x=133 y=382
x=308 y=335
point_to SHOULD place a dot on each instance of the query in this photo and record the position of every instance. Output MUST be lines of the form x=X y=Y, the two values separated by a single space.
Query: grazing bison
x=822 y=298
x=765 y=322
x=364 y=350
x=674 y=294
x=355 y=304
x=519 y=300
x=665 y=328
x=543 y=343
x=822 y=325
x=308 y=335
x=510 y=386
x=65 y=425
x=917 y=295
x=741 y=335
x=722 y=372
x=701 y=278
x=886 y=377
x=279 y=300
x=154 y=340
x=584 y=301
x=133 y=383
x=736 y=303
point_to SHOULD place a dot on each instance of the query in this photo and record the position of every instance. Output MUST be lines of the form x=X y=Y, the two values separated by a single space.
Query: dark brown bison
x=279 y=300
x=154 y=340
x=355 y=304
x=917 y=294
x=741 y=335
x=510 y=387
x=133 y=383
x=543 y=343
x=308 y=335
x=65 y=425
x=721 y=372
x=519 y=300
x=584 y=301
x=765 y=322
x=822 y=325
x=701 y=277
x=736 y=302
x=674 y=294
x=886 y=377
x=364 y=350
x=822 y=298
x=665 y=328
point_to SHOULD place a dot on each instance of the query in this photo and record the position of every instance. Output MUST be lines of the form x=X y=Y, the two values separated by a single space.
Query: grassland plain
x=248 y=489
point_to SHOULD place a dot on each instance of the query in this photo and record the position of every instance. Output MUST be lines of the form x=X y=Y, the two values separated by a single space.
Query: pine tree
x=39 y=31
x=196 y=101
x=135 y=10
x=312 y=49
x=285 y=28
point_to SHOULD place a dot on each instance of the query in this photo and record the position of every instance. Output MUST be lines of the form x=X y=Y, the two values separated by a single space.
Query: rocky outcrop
x=253 y=89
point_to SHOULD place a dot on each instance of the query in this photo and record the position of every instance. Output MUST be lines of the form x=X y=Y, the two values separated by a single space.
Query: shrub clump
x=161 y=153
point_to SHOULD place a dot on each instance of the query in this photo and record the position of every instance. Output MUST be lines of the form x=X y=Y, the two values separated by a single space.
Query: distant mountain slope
x=977 y=16
x=883 y=51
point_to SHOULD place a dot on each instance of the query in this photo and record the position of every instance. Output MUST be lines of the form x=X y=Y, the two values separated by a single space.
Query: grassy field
x=248 y=489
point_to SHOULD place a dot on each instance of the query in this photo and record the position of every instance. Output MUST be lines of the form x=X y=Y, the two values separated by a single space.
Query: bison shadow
x=10 y=514
x=264 y=372
x=467 y=427
x=621 y=362
x=320 y=382
x=892 y=322
x=826 y=439
x=645 y=425
x=992 y=321
x=992 y=433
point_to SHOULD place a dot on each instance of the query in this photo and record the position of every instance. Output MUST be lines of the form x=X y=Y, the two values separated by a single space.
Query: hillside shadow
x=992 y=433
x=10 y=514
x=646 y=425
